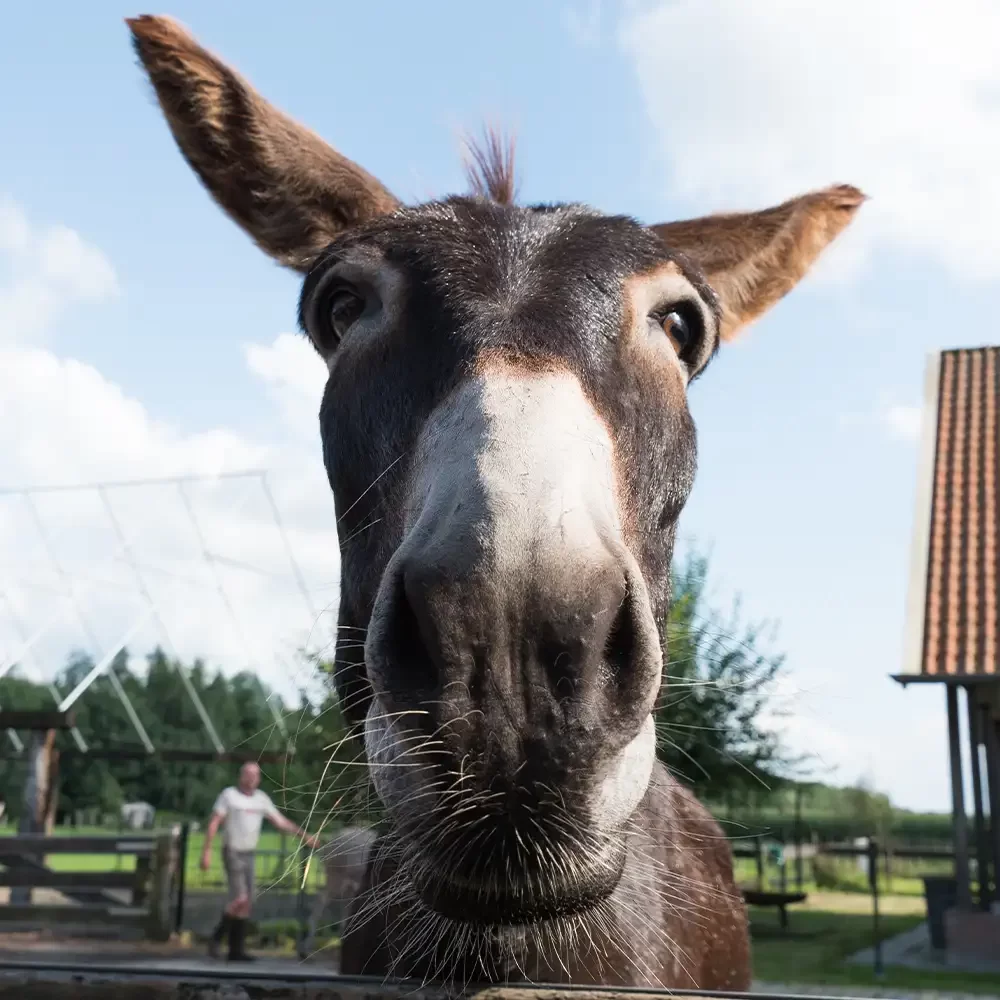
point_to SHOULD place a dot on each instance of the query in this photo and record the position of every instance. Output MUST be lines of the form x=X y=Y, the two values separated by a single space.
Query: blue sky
x=149 y=341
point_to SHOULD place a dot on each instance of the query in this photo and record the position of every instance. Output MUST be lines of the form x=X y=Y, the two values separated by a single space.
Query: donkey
x=506 y=433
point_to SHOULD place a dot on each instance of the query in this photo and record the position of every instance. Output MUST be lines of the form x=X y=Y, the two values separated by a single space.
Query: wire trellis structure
x=65 y=598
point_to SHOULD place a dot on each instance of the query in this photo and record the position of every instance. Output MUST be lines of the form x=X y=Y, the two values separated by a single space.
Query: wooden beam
x=173 y=756
x=41 y=844
x=949 y=680
x=45 y=878
x=53 y=914
x=36 y=721
x=978 y=814
x=32 y=869
x=958 y=817
x=187 y=756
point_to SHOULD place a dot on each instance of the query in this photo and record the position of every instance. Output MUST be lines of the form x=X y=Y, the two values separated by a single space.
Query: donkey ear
x=278 y=180
x=753 y=259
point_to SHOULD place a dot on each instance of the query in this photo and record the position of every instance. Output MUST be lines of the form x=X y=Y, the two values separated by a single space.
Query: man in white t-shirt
x=240 y=810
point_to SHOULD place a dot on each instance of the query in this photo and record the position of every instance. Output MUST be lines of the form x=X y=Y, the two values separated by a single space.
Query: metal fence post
x=783 y=873
x=873 y=880
x=798 y=838
x=182 y=848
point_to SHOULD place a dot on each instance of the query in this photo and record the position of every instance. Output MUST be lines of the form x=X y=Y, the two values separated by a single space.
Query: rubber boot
x=221 y=929
x=237 y=941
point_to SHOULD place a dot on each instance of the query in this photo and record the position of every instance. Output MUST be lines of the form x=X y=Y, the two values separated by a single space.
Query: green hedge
x=905 y=828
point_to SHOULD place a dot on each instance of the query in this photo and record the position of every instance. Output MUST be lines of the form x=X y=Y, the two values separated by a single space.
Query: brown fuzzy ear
x=277 y=179
x=753 y=259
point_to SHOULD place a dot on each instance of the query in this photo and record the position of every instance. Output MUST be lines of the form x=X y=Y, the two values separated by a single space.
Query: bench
x=782 y=900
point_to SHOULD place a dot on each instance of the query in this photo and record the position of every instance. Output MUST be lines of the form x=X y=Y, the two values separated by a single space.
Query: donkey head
x=506 y=432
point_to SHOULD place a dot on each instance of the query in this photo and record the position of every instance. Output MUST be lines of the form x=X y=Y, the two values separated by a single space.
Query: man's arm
x=285 y=825
x=212 y=829
x=218 y=815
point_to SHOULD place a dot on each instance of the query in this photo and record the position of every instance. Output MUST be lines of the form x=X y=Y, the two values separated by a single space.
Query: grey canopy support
x=73 y=587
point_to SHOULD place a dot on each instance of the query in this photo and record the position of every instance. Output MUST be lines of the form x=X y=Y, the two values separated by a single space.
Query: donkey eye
x=675 y=326
x=682 y=327
x=343 y=308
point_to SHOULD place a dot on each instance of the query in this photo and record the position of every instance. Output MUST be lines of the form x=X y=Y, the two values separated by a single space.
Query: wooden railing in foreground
x=93 y=897
x=30 y=981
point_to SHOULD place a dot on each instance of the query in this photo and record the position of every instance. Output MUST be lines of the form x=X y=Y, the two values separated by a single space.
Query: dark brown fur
x=686 y=928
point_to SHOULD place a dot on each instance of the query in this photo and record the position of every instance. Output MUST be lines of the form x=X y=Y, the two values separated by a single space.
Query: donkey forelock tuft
x=489 y=167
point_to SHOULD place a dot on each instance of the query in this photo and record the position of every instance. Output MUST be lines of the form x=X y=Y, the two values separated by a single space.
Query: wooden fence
x=92 y=897
x=89 y=983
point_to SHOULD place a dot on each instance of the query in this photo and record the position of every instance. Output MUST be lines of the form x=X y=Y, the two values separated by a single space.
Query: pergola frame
x=73 y=586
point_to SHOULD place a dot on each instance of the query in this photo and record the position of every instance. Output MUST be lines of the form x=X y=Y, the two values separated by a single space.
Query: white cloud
x=754 y=102
x=294 y=375
x=64 y=422
x=14 y=231
x=816 y=713
x=796 y=712
x=80 y=268
x=902 y=421
x=50 y=268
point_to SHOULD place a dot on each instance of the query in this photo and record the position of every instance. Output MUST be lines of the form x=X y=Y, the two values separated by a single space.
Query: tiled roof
x=953 y=627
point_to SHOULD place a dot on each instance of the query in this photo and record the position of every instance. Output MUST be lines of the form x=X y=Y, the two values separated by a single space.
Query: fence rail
x=65 y=981
x=156 y=886
x=137 y=844
x=150 y=885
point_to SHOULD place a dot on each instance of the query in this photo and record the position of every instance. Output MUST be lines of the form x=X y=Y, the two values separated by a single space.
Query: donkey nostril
x=620 y=644
x=409 y=639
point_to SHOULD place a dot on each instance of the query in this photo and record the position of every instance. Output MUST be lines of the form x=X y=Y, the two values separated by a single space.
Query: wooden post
x=958 y=818
x=798 y=838
x=41 y=790
x=159 y=918
x=991 y=729
x=141 y=880
x=760 y=863
x=978 y=818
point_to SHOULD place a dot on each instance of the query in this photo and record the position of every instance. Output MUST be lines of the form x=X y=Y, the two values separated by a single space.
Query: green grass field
x=829 y=927
x=269 y=868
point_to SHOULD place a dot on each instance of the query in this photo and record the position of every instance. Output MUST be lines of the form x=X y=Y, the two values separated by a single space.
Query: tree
x=869 y=811
x=324 y=782
x=711 y=724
